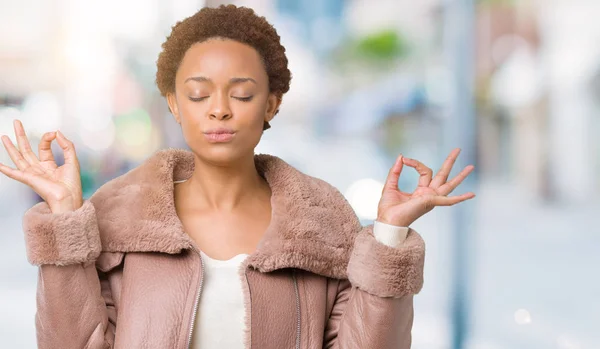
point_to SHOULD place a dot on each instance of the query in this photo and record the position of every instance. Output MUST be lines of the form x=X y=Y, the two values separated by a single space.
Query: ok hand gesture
x=402 y=209
x=60 y=186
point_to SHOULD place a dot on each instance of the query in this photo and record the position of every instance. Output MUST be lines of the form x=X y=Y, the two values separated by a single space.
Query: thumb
x=391 y=183
x=68 y=148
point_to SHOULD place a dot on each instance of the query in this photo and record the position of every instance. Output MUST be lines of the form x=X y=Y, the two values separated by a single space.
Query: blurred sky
x=517 y=83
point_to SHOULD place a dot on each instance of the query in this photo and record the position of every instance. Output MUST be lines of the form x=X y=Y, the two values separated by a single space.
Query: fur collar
x=312 y=227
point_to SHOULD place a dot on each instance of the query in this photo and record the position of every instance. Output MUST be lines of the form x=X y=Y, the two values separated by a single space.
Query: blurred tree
x=374 y=52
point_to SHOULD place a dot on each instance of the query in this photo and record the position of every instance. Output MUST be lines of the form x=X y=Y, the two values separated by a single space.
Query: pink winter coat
x=120 y=272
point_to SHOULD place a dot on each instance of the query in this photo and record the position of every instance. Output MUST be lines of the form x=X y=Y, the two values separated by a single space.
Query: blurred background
x=515 y=84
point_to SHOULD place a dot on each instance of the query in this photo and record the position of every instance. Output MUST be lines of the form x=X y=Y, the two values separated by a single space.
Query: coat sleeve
x=374 y=306
x=74 y=300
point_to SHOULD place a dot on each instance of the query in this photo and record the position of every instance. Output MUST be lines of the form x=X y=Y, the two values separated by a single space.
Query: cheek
x=252 y=114
x=192 y=110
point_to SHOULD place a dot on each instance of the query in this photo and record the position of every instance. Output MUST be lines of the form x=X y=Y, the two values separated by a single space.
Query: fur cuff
x=61 y=238
x=386 y=271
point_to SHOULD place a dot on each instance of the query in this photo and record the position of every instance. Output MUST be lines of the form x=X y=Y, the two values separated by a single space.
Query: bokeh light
x=522 y=317
x=364 y=195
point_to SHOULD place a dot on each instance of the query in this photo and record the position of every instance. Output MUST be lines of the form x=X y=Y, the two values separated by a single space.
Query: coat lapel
x=312 y=227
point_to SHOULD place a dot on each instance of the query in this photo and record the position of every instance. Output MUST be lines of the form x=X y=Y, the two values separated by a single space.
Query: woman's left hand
x=402 y=209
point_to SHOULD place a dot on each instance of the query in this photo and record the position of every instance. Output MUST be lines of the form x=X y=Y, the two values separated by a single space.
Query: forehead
x=221 y=60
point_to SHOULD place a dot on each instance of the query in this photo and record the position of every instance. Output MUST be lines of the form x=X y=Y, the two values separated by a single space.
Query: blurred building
x=371 y=79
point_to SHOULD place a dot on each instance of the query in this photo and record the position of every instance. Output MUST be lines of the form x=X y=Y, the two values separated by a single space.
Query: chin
x=220 y=154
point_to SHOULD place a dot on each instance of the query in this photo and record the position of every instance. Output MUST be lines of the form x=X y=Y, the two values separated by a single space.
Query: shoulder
x=135 y=211
x=153 y=176
x=312 y=194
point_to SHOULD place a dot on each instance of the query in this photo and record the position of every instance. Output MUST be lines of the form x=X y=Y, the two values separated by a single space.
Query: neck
x=225 y=187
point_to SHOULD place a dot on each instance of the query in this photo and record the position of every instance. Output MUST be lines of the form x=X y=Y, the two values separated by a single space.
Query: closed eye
x=243 y=99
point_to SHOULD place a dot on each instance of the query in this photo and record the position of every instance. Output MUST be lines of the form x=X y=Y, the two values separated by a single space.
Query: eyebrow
x=231 y=81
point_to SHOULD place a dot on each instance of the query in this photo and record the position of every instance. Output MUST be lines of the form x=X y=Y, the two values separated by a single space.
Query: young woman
x=219 y=247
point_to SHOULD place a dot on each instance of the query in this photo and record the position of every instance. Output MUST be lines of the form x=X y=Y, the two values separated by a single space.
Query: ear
x=172 y=101
x=273 y=103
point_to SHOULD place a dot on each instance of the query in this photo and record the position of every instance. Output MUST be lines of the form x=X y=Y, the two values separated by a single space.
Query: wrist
x=66 y=205
x=398 y=223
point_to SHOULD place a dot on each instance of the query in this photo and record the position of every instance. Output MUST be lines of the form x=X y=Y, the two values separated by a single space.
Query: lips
x=220 y=131
x=219 y=136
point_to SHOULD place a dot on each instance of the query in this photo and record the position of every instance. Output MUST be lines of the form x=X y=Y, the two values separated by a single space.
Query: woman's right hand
x=60 y=186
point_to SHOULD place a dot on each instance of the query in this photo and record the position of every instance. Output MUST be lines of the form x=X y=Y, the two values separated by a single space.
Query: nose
x=219 y=109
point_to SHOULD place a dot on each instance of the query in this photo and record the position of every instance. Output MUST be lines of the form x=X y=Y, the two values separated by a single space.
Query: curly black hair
x=241 y=24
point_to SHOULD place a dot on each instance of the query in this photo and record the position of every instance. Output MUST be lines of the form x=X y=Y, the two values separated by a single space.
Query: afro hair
x=241 y=24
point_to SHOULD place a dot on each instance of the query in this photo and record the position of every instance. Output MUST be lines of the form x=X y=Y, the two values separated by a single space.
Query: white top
x=222 y=294
x=220 y=316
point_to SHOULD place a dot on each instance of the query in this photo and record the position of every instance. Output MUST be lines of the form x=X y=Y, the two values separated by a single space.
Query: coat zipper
x=197 y=300
x=297 y=309
x=249 y=310
x=298 y=317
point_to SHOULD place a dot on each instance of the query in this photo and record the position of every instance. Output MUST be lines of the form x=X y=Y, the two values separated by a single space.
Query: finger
x=451 y=200
x=23 y=142
x=68 y=148
x=391 y=183
x=425 y=173
x=12 y=173
x=14 y=154
x=454 y=182
x=442 y=176
x=45 y=147
x=35 y=182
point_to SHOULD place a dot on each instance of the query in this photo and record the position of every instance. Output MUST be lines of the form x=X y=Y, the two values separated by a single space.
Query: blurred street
x=515 y=84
